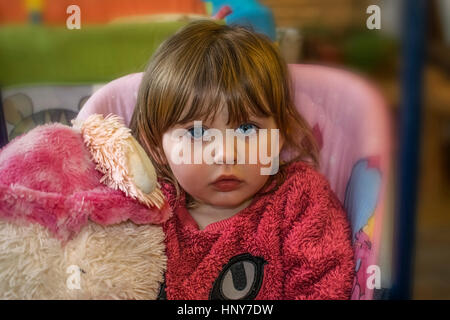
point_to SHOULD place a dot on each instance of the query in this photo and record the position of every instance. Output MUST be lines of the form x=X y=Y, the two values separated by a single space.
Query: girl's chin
x=228 y=200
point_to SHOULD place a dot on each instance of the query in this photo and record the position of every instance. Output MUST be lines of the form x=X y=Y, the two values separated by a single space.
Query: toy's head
x=76 y=212
x=59 y=177
x=121 y=159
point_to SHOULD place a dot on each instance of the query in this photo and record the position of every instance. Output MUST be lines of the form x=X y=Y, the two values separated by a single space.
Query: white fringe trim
x=109 y=142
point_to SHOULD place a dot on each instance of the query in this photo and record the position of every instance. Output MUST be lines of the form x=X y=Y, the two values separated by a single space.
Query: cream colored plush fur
x=123 y=261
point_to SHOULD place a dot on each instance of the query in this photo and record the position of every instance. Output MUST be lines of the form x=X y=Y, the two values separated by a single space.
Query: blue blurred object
x=361 y=195
x=35 y=17
x=413 y=54
x=248 y=13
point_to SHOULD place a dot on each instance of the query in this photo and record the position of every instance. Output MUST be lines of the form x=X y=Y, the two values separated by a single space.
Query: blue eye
x=247 y=128
x=197 y=132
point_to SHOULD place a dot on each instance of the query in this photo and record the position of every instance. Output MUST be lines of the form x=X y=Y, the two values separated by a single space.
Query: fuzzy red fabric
x=47 y=177
x=299 y=231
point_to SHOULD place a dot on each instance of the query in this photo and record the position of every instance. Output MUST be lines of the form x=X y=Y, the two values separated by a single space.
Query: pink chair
x=351 y=123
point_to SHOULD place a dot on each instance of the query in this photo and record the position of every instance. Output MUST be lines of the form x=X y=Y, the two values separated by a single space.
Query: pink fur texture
x=47 y=177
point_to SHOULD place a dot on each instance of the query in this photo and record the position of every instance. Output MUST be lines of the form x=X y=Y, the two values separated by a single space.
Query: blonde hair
x=204 y=66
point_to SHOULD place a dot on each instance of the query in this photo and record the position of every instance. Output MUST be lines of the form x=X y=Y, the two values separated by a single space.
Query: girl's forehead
x=221 y=116
x=221 y=120
x=209 y=118
x=214 y=111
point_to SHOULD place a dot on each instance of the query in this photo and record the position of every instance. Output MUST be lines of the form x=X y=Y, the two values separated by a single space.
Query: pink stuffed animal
x=79 y=214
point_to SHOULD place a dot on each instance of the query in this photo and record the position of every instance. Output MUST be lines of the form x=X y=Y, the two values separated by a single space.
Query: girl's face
x=199 y=179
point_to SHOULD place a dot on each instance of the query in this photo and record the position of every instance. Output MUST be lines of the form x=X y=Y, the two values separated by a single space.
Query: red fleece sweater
x=293 y=243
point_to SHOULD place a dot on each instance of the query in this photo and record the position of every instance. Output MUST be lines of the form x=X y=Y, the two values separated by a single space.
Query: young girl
x=237 y=233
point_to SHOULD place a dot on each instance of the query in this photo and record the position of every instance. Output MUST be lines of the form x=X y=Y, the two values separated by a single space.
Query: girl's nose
x=227 y=152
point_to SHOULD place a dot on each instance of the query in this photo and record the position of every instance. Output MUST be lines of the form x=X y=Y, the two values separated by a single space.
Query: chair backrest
x=350 y=121
x=118 y=96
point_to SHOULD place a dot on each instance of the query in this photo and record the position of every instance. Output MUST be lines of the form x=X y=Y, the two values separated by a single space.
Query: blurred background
x=48 y=71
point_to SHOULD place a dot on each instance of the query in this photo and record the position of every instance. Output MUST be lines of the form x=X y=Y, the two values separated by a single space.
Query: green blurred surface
x=39 y=54
x=369 y=51
x=209 y=8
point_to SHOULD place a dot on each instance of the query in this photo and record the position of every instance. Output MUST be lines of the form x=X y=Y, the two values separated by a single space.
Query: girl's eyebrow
x=260 y=121
x=189 y=123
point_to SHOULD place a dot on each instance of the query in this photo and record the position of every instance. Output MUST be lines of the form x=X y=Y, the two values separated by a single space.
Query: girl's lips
x=227 y=185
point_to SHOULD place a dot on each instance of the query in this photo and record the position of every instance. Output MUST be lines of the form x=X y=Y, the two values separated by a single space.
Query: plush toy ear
x=121 y=159
x=141 y=170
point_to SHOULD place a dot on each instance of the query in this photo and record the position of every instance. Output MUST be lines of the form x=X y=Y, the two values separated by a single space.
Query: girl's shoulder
x=302 y=177
x=305 y=190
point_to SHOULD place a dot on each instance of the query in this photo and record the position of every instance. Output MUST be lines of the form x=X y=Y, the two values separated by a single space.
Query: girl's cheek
x=176 y=149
